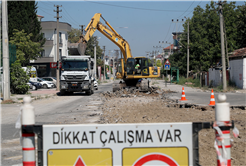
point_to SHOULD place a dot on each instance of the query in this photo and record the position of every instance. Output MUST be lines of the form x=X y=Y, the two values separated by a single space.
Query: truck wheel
x=89 y=92
x=62 y=92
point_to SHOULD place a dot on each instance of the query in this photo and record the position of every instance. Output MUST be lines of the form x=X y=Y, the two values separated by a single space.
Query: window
x=60 y=37
x=43 y=53
x=60 y=53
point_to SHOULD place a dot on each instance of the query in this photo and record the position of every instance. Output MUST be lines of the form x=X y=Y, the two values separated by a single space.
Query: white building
x=237 y=62
x=46 y=64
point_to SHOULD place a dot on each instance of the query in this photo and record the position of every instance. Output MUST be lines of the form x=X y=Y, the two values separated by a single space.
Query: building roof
x=238 y=53
x=158 y=56
x=168 y=48
x=40 y=16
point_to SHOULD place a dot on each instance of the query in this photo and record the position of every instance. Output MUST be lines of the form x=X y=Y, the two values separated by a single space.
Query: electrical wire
x=45 y=11
x=70 y=16
x=168 y=31
x=193 y=10
x=156 y=10
x=186 y=10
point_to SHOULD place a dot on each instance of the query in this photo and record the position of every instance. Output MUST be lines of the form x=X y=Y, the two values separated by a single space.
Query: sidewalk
x=35 y=95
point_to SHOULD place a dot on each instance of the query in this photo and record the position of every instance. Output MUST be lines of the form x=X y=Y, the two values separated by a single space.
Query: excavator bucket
x=81 y=48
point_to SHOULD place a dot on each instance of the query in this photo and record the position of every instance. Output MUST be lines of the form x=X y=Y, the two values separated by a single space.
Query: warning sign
x=155 y=156
x=79 y=157
x=118 y=144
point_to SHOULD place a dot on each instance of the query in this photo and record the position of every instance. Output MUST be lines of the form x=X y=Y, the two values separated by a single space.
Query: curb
x=38 y=97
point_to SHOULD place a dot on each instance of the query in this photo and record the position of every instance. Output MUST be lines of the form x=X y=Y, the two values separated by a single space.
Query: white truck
x=76 y=74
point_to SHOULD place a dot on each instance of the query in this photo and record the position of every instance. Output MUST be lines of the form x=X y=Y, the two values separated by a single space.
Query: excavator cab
x=137 y=66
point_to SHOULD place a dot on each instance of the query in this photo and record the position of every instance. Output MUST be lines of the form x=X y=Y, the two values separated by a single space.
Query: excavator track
x=141 y=86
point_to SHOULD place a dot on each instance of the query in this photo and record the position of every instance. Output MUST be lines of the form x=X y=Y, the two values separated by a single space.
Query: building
x=46 y=64
x=168 y=51
x=237 y=63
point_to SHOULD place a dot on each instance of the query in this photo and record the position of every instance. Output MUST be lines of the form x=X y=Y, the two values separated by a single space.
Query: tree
x=204 y=28
x=158 y=63
x=90 y=47
x=26 y=49
x=22 y=15
x=73 y=35
x=18 y=79
x=241 y=26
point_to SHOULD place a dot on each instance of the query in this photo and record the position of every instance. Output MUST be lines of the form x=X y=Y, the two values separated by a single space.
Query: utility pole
x=6 y=79
x=95 y=56
x=57 y=48
x=82 y=29
x=188 y=51
x=222 y=46
x=113 y=64
x=104 y=75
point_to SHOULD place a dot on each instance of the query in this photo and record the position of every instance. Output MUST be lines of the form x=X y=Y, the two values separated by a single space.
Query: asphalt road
x=76 y=108
x=196 y=96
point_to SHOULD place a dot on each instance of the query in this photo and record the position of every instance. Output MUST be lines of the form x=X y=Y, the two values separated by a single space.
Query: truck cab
x=76 y=74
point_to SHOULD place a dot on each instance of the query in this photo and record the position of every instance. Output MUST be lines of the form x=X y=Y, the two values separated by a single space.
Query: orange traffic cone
x=183 y=95
x=212 y=100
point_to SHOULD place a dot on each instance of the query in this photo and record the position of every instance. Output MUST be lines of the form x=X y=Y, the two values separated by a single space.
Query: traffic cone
x=212 y=100
x=183 y=95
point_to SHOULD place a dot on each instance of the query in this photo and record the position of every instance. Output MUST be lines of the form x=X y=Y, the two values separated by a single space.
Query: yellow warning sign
x=71 y=157
x=155 y=156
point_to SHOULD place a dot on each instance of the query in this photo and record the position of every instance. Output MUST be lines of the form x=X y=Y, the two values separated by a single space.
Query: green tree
x=241 y=26
x=73 y=35
x=158 y=63
x=90 y=47
x=22 y=15
x=26 y=49
x=18 y=79
x=204 y=28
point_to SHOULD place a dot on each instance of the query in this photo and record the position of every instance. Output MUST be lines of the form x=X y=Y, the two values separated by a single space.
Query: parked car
x=30 y=85
x=35 y=85
x=95 y=84
x=51 y=79
x=45 y=84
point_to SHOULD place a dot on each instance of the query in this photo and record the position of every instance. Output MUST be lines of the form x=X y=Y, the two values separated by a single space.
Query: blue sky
x=142 y=23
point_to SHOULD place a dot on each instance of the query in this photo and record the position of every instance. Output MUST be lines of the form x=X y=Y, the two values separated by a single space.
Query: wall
x=236 y=72
x=216 y=76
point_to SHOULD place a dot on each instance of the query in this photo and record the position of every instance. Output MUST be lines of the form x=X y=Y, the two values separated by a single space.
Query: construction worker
x=137 y=68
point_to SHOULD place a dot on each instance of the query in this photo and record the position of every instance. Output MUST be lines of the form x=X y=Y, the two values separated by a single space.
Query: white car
x=95 y=84
x=46 y=84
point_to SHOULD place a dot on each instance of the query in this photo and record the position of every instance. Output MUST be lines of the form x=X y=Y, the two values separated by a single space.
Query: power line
x=70 y=16
x=168 y=31
x=193 y=10
x=46 y=12
x=186 y=10
x=156 y=10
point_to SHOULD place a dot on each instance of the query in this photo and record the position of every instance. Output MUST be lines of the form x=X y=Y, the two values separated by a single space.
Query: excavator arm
x=109 y=32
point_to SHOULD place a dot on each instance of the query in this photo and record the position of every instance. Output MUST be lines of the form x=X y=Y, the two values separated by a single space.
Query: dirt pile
x=133 y=92
x=128 y=106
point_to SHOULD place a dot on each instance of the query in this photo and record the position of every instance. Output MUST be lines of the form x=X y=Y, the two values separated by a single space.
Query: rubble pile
x=133 y=92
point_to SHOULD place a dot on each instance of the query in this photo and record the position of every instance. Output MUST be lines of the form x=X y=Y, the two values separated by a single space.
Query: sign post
x=167 y=66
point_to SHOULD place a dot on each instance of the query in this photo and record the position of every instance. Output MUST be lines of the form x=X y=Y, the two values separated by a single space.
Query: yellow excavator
x=134 y=71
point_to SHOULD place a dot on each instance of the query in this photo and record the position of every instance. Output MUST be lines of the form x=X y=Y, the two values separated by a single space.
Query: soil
x=130 y=106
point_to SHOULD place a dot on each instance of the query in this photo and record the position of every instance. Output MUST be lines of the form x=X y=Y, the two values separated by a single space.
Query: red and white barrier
x=222 y=127
x=28 y=139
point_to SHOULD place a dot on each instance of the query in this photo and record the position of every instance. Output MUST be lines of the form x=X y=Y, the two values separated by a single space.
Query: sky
x=143 y=24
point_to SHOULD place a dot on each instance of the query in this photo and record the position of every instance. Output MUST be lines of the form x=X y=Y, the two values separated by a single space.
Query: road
x=197 y=96
x=78 y=108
